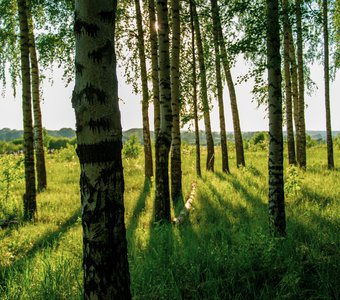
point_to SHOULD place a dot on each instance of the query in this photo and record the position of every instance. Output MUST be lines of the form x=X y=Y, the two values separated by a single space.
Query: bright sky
x=57 y=110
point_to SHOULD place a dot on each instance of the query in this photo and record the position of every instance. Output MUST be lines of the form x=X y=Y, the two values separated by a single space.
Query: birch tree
x=203 y=90
x=330 y=155
x=38 y=128
x=301 y=138
x=275 y=162
x=240 y=160
x=176 y=162
x=288 y=84
x=30 y=205
x=148 y=164
x=223 y=134
x=163 y=139
x=194 y=85
x=154 y=65
x=99 y=138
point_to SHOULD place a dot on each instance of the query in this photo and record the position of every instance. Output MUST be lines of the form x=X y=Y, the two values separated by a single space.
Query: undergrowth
x=224 y=250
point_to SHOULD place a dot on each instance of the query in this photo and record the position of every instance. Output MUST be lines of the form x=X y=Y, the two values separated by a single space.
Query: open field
x=224 y=251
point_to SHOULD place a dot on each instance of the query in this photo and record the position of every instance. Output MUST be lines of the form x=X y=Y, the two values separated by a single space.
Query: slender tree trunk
x=30 y=204
x=240 y=161
x=38 y=128
x=301 y=143
x=288 y=87
x=204 y=91
x=223 y=134
x=163 y=139
x=330 y=157
x=295 y=89
x=176 y=162
x=275 y=165
x=194 y=84
x=148 y=166
x=154 y=65
x=99 y=137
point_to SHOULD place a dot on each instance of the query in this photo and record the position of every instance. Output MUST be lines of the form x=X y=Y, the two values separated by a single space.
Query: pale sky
x=57 y=110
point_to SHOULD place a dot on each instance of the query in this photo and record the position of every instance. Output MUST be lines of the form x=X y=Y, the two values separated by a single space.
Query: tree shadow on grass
x=237 y=212
x=253 y=199
x=307 y=252
x=47 y=240
x=315 y=254
x=220 y=175
x=308 y=194
x=139 y=207
x=311 y=197
x=157 y=255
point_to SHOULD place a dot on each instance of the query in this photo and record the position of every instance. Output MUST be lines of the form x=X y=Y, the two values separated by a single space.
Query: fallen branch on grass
x=187 y=207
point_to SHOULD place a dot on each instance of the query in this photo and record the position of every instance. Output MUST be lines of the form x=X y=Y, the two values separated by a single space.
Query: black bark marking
x=90 y=29
x=103 y=152
x=107 y=16
x=100 y=124
x=275 y=139
x=91 y=94
x=79 y=69
x=103 y=52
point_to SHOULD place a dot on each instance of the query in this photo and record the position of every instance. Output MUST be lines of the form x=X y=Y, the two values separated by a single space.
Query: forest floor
x=223 y=251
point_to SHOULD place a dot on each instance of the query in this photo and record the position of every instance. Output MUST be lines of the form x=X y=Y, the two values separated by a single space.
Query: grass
x=224 y=251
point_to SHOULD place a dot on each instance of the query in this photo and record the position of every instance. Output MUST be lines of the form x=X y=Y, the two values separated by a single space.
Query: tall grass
x=224 y=250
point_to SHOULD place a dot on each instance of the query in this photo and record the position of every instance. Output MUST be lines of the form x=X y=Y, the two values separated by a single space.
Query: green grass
x=224 y=251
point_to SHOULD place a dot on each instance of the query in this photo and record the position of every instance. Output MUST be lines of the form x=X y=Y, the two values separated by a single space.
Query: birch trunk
x=240 y=161
x=163 y=139
x=275 y=162
x=148 y=166
x=301 y=143
x=38 y=128
x=330 y=155
x=29 y=198
x=194 y=84
x=176 y=162
x=204 y=91
x=99 y=137
x=288 y=86
x=295 y=89
x=154 y=65
x=224 y=149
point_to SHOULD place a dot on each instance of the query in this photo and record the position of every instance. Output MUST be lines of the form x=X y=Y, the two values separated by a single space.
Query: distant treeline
x=11 y=140
x=189 y=136
x=7 y=134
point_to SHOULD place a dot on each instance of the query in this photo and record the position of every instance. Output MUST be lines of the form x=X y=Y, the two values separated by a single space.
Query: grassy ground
x=224 y=251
